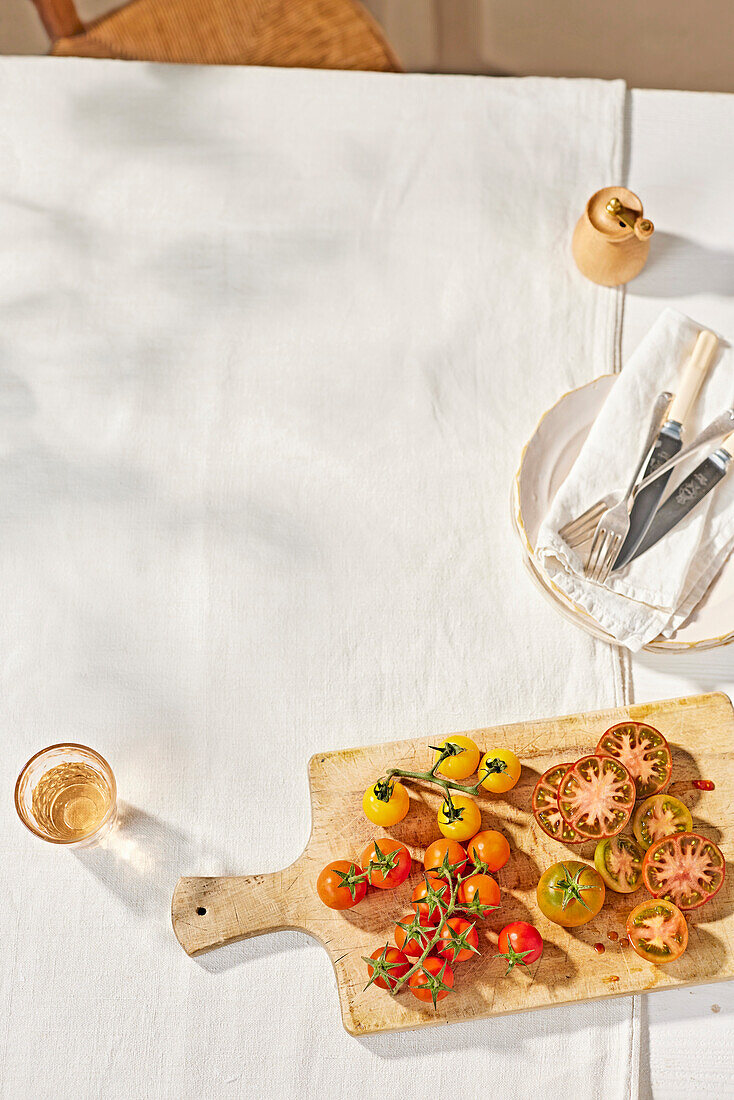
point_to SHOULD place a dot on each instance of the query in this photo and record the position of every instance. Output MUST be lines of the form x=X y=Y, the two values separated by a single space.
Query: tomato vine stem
x=446 y=910
x=430 y=777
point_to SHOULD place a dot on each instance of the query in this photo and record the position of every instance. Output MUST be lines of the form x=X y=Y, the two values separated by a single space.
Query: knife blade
x=668 y=443
x=688 y=495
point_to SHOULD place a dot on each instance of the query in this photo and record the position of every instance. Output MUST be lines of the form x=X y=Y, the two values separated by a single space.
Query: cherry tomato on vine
x=658 y=931
x=462 y=758
x=387 y=862
x=413 y=933
x=459 y=940
x=386 y=967
x=499 y=771
x=429 y=896
x=570 y=893
x=433 y=981
x=520 y=943
x=386 y=803
x=477 y=892
x=342 y=884
x=489 y=848
x=445 y=857
x=459 y=818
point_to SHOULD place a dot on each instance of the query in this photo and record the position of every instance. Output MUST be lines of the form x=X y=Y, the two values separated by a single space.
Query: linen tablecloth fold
x=272 y=342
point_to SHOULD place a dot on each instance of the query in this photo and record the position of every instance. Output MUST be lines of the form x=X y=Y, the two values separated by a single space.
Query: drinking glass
x=66 y=794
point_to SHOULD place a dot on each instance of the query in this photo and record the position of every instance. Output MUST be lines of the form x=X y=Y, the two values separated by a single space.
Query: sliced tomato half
x=644 y=752
x=659 y=816
x=545 y=806
x=596 y=796
x=658 y=931
x=618 y=859
x=687 y=869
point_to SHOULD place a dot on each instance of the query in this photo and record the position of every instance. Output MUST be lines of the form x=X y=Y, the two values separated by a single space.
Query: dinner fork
x=614 y=523
x=583 y=528
x=577 y=531
x=719 y=427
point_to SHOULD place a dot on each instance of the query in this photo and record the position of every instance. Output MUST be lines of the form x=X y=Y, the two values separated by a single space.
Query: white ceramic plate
x=545 y=462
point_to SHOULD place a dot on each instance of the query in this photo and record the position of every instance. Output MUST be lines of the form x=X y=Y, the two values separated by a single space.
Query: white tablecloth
x=263 y=381
x=681 y=164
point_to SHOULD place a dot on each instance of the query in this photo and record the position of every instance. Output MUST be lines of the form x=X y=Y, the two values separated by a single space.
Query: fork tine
x=595 y=552
x=610 y=558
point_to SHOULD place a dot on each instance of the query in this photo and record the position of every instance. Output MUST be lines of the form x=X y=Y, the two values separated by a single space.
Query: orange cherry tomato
x=413 y=933
x=387 y=862
x=489 y=848
x=428 y=897
x=499 y=771
x=341 y=884
x=479 y=890
x=459 y=940
x=444 y=849
x=433 y=981
x=460 y=757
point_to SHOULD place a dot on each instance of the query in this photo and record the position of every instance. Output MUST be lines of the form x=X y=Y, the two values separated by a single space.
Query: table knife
x=688 y=495
x=668 y=443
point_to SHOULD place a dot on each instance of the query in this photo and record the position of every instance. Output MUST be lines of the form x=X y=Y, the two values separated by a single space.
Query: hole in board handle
x=201 y=911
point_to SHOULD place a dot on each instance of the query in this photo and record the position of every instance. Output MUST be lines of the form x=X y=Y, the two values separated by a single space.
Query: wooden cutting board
x=210 y=912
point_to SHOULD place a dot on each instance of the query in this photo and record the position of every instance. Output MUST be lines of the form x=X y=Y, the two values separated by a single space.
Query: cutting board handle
x=211 y=912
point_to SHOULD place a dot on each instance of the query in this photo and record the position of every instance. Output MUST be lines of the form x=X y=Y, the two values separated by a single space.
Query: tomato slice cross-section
x=658 y=931
x=618 y=859
x=659 y=816
x=687 y=869
x=644 y=752
x=596 y=796
x=545 y=806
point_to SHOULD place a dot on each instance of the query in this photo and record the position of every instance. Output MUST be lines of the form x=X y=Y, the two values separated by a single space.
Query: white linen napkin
x=655 y=593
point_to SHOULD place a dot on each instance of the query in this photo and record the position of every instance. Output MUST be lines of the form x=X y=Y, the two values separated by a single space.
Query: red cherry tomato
x=342 y=884
x=386 y=967
x=387 y=862
x=459 y=940
x=520 y=943
x=433 y=981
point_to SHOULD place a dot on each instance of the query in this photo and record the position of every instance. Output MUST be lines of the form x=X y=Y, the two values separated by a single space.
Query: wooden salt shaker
x=612 y=238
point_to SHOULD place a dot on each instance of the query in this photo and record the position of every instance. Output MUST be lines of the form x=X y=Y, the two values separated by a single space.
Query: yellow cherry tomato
x=499 y=770
x=463 y=759
x=386 y=803
x=460 y=818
